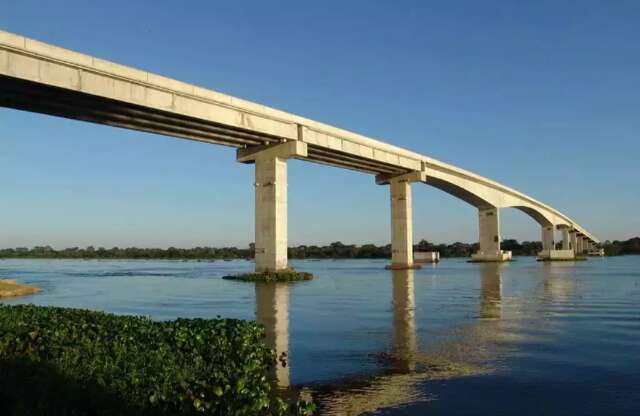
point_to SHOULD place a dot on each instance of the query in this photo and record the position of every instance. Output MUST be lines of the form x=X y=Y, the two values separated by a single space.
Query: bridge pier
x=548 y=242
x=489 y=227
x=579 y=244
x=401 y=217
x=549 y=251
x=566 y=238
x=584 y=244
x=573 y=235
x=401 y=224
x=271 y=201
x=588 y=246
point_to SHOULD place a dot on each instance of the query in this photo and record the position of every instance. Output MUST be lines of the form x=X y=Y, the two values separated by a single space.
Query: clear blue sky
x=543 y=96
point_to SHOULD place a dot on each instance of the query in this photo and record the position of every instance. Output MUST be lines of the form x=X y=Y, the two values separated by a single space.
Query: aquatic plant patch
x=288 y=275
x=68 y=361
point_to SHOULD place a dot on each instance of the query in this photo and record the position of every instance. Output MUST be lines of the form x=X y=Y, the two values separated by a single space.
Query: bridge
x=42 y=78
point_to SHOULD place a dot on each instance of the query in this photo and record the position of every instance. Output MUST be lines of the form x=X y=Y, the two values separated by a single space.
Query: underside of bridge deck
x=36 y=97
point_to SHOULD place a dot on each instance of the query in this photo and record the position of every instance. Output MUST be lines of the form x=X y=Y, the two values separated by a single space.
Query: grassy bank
x=75 y=362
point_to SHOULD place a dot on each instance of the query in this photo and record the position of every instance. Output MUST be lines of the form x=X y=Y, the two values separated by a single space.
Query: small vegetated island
x=75 y=362
x=288 y=275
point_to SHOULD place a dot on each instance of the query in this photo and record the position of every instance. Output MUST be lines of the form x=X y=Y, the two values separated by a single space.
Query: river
x=453 y=338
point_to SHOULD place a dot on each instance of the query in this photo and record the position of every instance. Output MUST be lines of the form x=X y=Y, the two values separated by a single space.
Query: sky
x=541 y=96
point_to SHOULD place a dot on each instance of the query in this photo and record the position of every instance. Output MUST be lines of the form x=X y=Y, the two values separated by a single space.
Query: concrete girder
x=486 y=194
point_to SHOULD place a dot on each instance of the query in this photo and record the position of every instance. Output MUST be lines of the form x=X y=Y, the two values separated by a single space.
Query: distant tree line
x=618 y=248
x=126 y=253
x=333 y=250
x=527 y=248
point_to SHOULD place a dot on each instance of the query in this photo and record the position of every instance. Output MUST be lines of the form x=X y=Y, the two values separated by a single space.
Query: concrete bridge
x=38 y=77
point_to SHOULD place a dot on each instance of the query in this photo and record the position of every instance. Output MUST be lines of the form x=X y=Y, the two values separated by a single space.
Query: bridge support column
x=401 y=217
x=566 y=238
x=489 y=226
x=586 y=245
x=573 y=241
x=548 y=242
x=549 y=252
x=580 y=240
x=271 y=201
x=401 y=224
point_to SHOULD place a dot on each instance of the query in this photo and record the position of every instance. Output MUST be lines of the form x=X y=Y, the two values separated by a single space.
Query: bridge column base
x=494 y=257
x=556 y=255
x=413 y=266
x=426 y=257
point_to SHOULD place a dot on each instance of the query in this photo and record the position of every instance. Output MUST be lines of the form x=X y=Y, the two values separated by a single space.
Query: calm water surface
x=456 y=338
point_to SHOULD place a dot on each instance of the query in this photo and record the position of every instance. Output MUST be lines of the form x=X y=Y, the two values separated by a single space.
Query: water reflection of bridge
x=408 y=365
x=272 y=311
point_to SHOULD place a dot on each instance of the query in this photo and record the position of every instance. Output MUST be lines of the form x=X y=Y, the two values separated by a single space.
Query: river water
x=454 y=338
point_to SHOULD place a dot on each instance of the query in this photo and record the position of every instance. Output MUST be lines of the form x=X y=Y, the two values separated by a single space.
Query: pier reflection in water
x=406 y=366
x=559 y=281
x=272 y=311
x=490 y=290
x=404 y=319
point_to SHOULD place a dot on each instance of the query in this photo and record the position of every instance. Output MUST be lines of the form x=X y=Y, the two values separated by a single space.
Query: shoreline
x=213 y=260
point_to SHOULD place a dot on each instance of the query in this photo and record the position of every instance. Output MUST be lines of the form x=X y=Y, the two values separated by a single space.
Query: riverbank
x=74 y=361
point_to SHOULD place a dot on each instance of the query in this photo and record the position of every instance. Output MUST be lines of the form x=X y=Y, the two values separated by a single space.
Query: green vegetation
x=288 y=275
x=335 y=250
x=74 y=362
x=197 y=253
x=618 y=248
